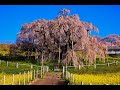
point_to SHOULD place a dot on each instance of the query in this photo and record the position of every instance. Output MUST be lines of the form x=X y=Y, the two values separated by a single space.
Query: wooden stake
x=0 y=61
x=19 y=77
x=24 y=77
x=31 y=66
x=16 y=65
x=31 y=74
x=4 y=80
x=37 y=74
x=7 y=63
x=94 y=66
x=28 y=76
x=13 y=79
x=34 y=74
x=41 y=72
x=63 y=71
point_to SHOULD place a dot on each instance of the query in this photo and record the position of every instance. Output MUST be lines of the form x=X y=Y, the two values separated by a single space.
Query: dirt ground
x=51 y=78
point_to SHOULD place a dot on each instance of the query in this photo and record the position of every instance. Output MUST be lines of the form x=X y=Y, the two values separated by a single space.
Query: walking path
x=51 y=78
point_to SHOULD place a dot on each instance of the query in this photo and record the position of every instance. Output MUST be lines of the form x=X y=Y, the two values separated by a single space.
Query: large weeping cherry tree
x=62 y=38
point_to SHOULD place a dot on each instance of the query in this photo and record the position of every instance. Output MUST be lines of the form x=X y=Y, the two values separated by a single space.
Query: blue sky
x=105 y=17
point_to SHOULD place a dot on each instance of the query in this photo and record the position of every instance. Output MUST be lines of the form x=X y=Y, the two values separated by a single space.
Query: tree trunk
x=36 y=55
x=72 y=47
x=59 y=49
x=42 y=59
x=28 y=53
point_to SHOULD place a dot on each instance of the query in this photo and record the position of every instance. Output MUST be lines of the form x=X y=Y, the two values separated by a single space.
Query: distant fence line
x=95 y=65
x=46 y=68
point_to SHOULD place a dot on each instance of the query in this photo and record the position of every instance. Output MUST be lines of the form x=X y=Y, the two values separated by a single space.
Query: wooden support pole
x=7 y=63
x=13 y=79
x=16 y=65
x=19 y=77
x=63 y=71
x=90 y=83
x=82 y=64
x=41 y=72
x=66 y=71
x=0 y=61
x=79 y=67
x=31 y=74
x=43 y=69
x=108 y=64
x=47 y=68
x=31 y=66
x=81 y=83
x=4 y=80
x=24 y=77
x=73 y=78
x=28 y=76
x=34 y=74
x=94 y=66
x=116 y=62
x=37 y=74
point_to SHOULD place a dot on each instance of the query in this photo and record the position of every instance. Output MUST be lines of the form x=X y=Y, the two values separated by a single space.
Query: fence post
x=4 y=80
x=28 y=76
x=82 y=65
x=47 y=69
x=41 y=72
x=108 y=64
x=73 y=78
x=63 y=71
x=31 y=74
x=16 y=65
x=66 y=71
x=24 y=77
x=34 y=74
x=13 y=79
x=19 y=77
x=90 y=83
x=81 y=83
x=116 y=62
x=94 y=66
x=31 y=66
x=37 y=74
x=79 y=66
x=7 y=63
x=43 y=69
x=0 y=61
x=69 y=75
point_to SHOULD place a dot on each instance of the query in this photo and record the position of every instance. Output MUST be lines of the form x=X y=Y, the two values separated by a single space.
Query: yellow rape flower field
x=8 y=78
x=97 y=79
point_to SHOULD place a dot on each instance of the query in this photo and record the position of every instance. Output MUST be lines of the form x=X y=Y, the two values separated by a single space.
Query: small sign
x=56 y=67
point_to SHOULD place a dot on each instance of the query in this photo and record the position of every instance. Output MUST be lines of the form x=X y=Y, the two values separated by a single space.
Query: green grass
x=99 y=69
x=11 y=68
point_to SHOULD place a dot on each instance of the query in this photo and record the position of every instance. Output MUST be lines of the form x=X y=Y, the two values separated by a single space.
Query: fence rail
x=114 y=62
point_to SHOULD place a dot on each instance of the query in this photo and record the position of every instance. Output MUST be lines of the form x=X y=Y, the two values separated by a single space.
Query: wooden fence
x=67 y=74
x=30 y=75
